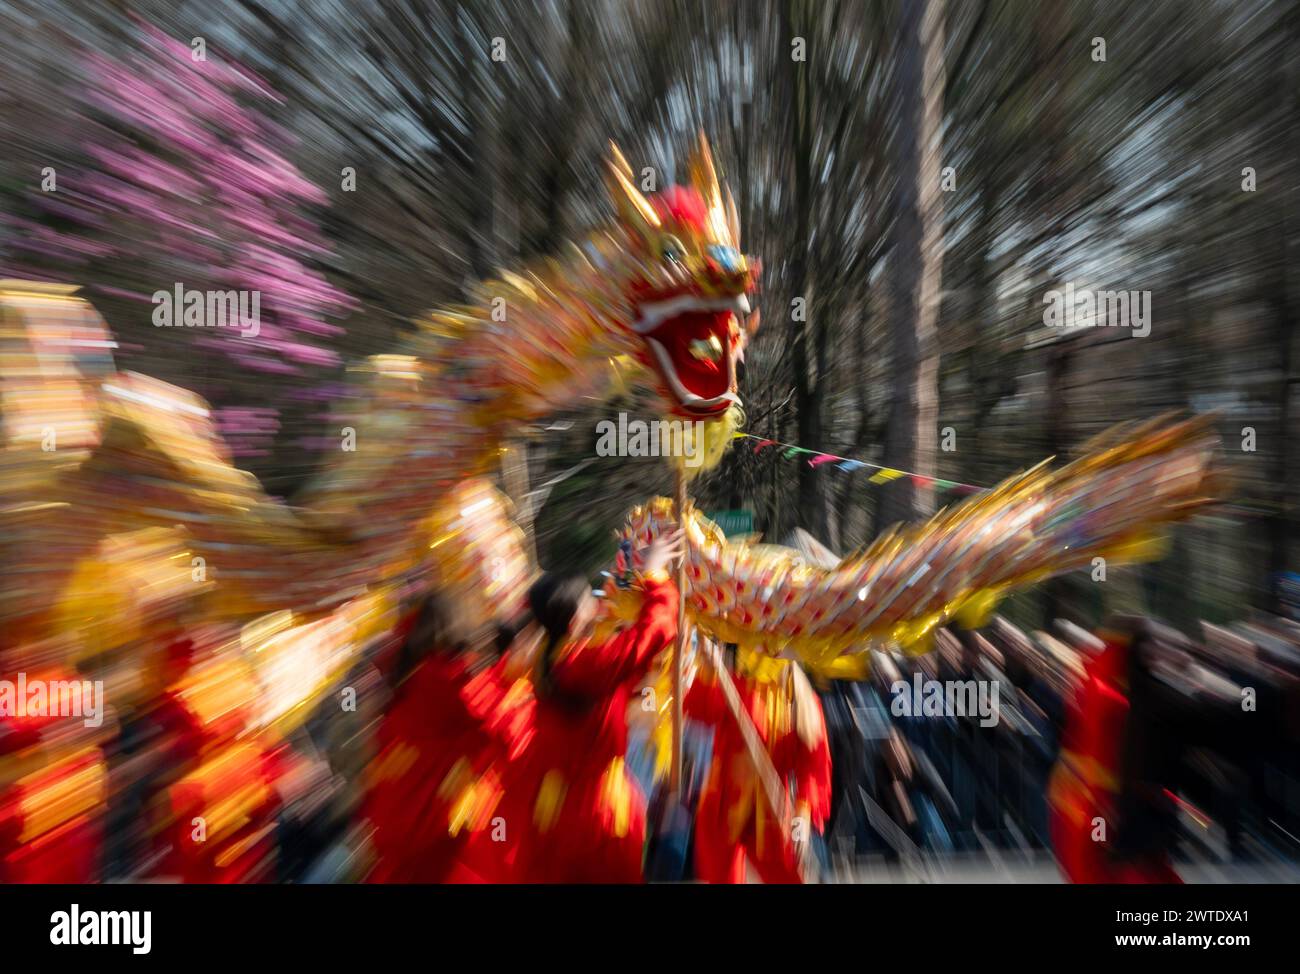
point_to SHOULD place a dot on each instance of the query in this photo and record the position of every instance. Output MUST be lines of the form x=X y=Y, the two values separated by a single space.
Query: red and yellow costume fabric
x=51 y=793
x=437 y=776
x=734 y=824
x=572 y=813
x=216 y=822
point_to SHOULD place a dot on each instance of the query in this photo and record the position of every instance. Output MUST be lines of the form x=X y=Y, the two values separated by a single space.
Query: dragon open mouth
x=693 y=347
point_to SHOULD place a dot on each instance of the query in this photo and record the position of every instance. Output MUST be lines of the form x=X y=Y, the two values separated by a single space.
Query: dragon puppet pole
x=675 y=780
x=514 y=475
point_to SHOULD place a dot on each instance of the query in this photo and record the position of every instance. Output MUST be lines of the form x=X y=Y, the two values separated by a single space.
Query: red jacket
x=430 y=780
x=1084 y=787
x=733 y=815
x=572 y=811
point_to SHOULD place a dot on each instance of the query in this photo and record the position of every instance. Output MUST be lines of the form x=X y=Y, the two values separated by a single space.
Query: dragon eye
x=728 y=258
x=672 y=250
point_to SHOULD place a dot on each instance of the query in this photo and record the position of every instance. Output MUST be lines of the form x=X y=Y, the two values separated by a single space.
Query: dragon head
x=690 y=292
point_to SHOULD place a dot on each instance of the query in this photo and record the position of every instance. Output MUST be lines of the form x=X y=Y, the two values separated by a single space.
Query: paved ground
x=1019 y=868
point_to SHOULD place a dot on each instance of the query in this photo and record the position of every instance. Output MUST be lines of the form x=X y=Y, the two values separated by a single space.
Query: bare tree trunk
x=910 y=436
x=1282 y=523
x=477 y=169
x=1055 y=591
x=564 y=127
x=811 y=510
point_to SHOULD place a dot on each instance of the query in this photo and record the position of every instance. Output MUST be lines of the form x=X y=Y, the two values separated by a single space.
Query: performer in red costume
x=572 y=812
x=435 y=775
x=51 y=787
x=734 y=824
x=218 y=799
x=1104 y=795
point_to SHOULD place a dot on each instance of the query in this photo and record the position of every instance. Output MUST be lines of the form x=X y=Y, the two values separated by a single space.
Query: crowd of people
x=1123 y=752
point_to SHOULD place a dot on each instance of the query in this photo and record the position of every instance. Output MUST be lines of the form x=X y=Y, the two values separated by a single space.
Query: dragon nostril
x=707 y=349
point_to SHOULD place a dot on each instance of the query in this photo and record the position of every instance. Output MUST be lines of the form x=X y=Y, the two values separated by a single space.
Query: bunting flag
x=882 y=475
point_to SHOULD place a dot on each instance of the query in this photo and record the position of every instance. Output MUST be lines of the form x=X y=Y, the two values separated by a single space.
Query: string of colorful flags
x=882 y=475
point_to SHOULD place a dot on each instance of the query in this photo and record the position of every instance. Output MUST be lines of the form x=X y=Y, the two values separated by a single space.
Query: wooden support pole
x=770 y=784
x=758 y=756
x=514 y=475
x=679 y=651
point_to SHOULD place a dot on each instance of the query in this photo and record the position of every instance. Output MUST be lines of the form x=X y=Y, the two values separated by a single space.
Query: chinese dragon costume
x=121 y=512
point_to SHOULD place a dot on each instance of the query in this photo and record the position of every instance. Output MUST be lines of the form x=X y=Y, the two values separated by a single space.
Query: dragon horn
x=617 y=158
x=704 y=177
x=702 y=174
x=633 y=207
x=733 y=218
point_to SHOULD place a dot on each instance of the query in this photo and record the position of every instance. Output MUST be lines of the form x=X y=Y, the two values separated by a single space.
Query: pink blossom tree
x=181 y=178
